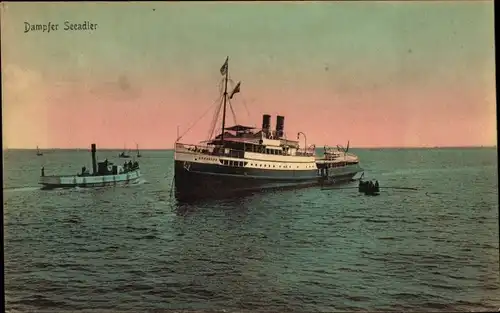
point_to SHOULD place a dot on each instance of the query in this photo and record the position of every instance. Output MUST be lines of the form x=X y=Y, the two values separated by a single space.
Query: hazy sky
x=374 y=73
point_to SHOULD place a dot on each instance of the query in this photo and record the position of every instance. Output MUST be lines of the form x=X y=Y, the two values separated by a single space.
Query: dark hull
x=198 y=181
x=368 y=189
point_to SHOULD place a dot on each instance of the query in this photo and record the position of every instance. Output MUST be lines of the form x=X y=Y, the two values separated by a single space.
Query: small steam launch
x=104 y=173
x=245 y=158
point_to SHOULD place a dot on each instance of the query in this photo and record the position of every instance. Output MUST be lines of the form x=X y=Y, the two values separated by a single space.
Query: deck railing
x=218 y=151
x=305 y=152
x=227 y=152
x=210 y=150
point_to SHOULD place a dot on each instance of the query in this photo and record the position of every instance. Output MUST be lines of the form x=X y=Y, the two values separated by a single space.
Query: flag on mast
x=235 y=90
x=223 y=69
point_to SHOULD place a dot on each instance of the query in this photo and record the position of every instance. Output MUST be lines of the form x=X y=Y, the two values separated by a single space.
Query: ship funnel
x=94 y=162
x=266 y=123
x=280 y=126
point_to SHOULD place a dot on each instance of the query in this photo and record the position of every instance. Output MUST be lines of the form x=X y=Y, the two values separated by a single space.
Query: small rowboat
x=369 y=188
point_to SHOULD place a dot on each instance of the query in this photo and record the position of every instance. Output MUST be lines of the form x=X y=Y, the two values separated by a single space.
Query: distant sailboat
x=138 y=152
x=38 y=153
x=124 y=154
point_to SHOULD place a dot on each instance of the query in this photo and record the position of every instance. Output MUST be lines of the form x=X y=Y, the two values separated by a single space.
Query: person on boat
x=43 y=171
x=136 y=165
x=361 y=186
x=125 y=166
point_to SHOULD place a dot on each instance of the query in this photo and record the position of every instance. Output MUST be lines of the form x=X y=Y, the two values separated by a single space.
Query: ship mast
x=224 y=70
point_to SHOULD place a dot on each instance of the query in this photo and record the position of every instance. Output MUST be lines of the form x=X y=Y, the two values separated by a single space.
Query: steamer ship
x=244 y=158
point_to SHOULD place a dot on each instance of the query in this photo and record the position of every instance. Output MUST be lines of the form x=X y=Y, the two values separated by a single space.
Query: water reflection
x=225 y=247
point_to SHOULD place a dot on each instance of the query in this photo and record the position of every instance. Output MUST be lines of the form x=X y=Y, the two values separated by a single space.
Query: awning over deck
x=239 y=128
x=218 y=140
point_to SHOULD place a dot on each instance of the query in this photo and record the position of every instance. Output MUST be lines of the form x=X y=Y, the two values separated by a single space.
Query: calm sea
x=134 y=249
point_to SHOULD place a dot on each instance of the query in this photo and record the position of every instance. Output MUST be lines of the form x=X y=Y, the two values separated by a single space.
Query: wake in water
x=142 y=181
x=414 y=171
x=21 y=189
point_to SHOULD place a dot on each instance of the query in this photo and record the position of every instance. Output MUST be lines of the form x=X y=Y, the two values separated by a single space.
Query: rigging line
x=232 y=111
x=212 y=129
x=215 y=119
x=217 y=112
x=244 y=101
x=231 y=105
x=221 y=92
x=221 y=86
x=192 y=125
x=246 y=108
x=221 y=89
x=212 y=123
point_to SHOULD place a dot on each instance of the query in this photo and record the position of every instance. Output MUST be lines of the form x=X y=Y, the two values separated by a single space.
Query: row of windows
x=241 y=164
x=340 y=164
x=205 y=158
x=248 y=148
x=279 y=166
x=261 y=149
x=269 y=165
x=273 y=151
x=233 y=163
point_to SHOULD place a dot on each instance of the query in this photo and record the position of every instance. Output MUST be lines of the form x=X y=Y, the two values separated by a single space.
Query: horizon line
x=172 y=148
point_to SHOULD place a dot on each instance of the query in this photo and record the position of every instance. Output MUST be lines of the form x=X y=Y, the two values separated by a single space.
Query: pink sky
x=373 y=86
